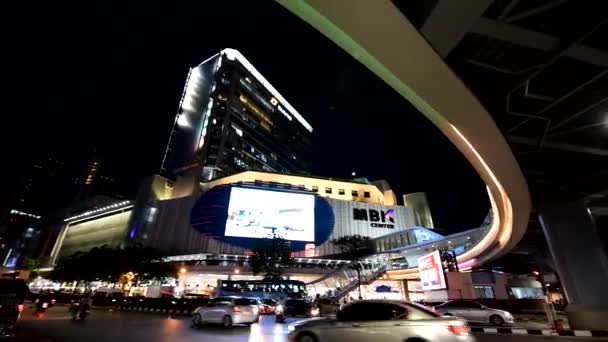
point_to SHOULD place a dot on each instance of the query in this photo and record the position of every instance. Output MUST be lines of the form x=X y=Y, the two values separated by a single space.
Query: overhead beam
x=536 y=40
x=559 y=146
x=534 y=11
x=507 y=10
x=450 y=21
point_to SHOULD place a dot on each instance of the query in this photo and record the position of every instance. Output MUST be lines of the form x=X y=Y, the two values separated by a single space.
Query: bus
x=265 y=289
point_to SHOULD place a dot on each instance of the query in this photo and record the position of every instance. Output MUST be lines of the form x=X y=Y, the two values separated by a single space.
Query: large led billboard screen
x=255 y=213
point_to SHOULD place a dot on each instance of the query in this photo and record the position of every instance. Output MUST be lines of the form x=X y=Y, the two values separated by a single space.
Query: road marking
x=585 y=333
x=519 y=331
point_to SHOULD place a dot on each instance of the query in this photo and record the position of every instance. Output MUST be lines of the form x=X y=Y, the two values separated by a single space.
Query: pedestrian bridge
x=398 y=252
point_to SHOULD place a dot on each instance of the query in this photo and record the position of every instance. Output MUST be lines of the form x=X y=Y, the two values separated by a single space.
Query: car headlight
x=291 y=328
x=314 y=312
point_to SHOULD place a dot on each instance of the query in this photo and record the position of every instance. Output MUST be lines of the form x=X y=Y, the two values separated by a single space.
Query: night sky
x=109 y=80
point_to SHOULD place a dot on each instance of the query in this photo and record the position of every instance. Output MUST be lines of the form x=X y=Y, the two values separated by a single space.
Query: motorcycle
x=79 y=312
x=41 y=306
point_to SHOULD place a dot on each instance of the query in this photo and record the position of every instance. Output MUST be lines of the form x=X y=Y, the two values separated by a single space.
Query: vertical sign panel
x=431 y=272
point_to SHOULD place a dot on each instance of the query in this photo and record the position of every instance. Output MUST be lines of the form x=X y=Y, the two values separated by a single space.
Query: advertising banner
x=431 y=272
x=255 y=213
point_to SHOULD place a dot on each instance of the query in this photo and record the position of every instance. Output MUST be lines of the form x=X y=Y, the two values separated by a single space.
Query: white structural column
x=381 y=38
x=450 y=21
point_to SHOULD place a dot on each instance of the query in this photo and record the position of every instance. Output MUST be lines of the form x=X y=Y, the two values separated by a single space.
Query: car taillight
x=236 y=309
x=53 y=301
x=459 y=329
x=45 y=305
x=20 y=307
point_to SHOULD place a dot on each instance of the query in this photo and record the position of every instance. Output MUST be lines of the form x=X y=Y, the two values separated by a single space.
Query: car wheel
x=197 y=320
x=227 y=321
x=306 y=337
x=496 y=320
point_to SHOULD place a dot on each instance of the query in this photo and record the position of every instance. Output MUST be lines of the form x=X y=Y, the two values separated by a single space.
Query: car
x=328 y=306
x=475 y=312
x=227 y=311
x=297 y=308
x=267 y=306
x=382 y=320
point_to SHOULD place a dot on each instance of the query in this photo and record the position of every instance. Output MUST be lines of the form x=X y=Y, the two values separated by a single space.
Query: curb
x=541 y=332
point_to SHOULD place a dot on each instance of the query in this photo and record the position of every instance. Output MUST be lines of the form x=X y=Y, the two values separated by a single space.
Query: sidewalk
x=538 y=321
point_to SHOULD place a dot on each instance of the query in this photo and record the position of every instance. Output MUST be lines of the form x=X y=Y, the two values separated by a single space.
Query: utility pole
x=358 y=268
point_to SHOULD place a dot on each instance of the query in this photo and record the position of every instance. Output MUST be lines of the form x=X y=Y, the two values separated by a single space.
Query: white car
x=475 y=312
x=382 y=320
x=227 y=311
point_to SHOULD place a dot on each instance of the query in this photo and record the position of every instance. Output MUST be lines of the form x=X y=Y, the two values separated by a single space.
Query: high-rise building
x=47 y=191
x=232 y=119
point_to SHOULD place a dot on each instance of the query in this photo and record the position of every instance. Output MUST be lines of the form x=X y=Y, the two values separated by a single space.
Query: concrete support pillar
x=581 y=263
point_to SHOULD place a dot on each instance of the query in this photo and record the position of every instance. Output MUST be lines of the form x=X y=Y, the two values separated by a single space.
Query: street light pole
x=359 y=279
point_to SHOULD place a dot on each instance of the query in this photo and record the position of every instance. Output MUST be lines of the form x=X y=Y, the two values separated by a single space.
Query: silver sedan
x=475 y=312
x=382 y=320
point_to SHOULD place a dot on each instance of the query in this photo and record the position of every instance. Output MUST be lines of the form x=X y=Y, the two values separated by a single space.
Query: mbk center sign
x=377 y=218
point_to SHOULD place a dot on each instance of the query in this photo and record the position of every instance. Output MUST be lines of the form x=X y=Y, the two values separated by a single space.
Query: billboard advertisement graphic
x=256 y=213
x=431 y=273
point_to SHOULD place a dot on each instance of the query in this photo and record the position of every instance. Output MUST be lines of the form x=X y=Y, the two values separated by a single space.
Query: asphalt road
x=105 y=326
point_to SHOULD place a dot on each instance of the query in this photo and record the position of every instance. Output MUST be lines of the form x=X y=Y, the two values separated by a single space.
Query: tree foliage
x=354 y=247
x=271 y=256
x=110 y=263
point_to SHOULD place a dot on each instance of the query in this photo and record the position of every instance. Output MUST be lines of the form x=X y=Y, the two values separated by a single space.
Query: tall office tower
x=232 y=119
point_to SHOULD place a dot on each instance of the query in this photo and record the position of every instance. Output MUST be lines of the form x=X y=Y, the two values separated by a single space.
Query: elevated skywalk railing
x=398 y=250
x=343 y=280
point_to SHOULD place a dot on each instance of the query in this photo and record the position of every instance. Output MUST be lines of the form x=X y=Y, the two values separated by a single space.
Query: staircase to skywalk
x=388 y=248
x=345 y=279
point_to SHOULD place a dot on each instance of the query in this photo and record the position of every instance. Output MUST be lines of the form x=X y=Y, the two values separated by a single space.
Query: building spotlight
x=236 y=271
x=183 y=270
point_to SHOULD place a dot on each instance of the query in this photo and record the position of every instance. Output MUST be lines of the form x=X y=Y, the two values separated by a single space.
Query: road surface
x=103 y=325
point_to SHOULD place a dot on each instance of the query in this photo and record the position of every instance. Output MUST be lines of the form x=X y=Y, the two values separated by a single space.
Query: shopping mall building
x=213 y=230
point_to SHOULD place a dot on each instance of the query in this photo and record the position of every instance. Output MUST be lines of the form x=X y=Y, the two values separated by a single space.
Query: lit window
x=328 y=190
x=484 y=291
x=366 y=194
x=354 y=193
x=315 y=188
x=341 y=192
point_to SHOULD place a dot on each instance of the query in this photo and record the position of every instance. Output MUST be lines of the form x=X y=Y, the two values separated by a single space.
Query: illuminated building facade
x=232 y=119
